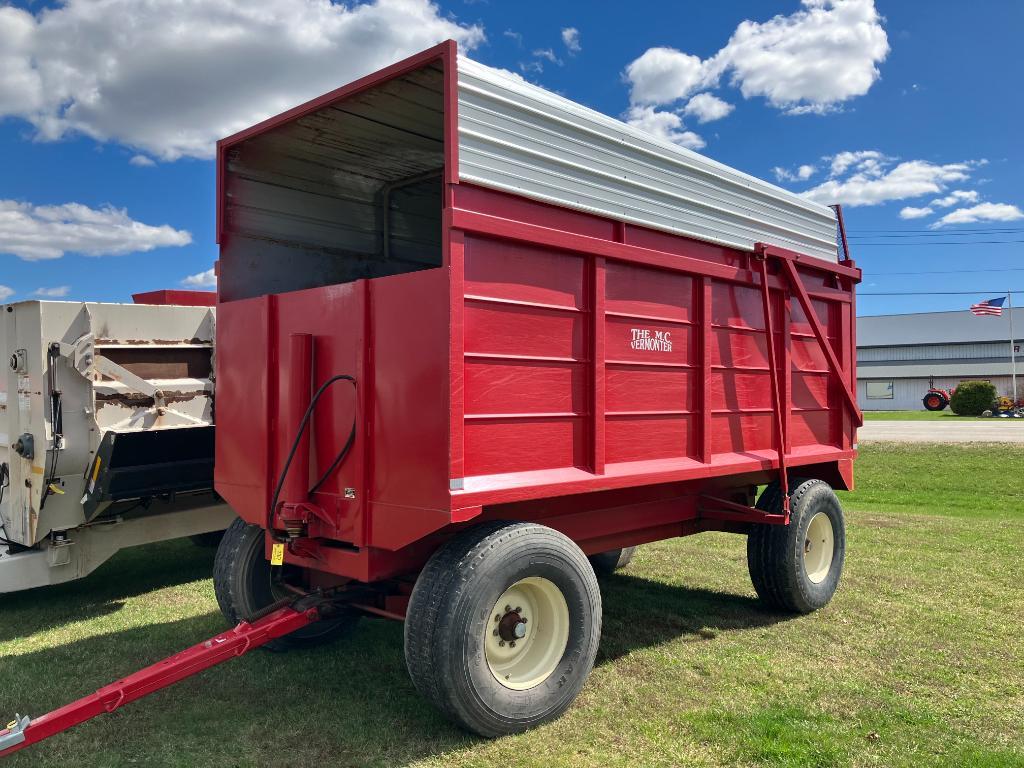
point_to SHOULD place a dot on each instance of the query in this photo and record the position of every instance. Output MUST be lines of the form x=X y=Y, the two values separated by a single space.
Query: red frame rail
x=24 y=732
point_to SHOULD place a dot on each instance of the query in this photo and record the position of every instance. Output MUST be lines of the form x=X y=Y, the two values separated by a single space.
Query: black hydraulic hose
x=56 y=420
x=298 y=439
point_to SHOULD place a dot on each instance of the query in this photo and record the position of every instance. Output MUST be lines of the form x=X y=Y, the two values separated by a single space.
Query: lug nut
x=495 y=633
x=518 y=609
x=525 y=620
x=497 y=617
x=508 y=608
x=512 y=644
x=501 y=643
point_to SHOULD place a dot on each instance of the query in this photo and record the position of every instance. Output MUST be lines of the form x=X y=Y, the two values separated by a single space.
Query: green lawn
x=946 y=415
x=918 y=661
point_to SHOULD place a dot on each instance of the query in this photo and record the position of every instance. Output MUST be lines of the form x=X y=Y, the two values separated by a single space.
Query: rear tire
x=933 y=401
x=797 y=567
x=606 y=563
x=243 y=583
x=503 y=627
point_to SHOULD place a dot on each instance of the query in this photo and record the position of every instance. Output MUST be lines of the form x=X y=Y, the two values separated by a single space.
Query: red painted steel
x=555 y=357
x=177 y=297
x=224 y=647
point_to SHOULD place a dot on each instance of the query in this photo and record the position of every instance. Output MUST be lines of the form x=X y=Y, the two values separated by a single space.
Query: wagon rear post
x=471 y=334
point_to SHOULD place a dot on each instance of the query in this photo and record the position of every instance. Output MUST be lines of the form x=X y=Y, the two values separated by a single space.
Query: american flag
x=990 y=307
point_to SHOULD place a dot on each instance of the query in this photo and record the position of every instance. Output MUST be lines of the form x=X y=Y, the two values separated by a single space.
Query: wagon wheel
x=503 y=627
x=244 y=585
x=797 y=567
x=606 y=563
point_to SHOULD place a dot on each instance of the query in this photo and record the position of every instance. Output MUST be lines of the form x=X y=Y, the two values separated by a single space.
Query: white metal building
x=900 y=356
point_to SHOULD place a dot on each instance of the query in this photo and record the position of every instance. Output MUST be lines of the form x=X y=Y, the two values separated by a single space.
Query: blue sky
x=898 y=109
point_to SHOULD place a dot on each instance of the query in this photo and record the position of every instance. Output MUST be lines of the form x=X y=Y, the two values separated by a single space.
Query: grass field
x=918 y=661
x=946 y=415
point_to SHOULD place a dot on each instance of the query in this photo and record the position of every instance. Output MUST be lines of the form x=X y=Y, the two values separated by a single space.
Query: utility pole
x=1013 y=349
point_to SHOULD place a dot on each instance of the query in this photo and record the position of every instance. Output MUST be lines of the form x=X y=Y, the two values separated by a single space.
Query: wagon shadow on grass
x=357 y=692
x=130 y=573
x=640 y=613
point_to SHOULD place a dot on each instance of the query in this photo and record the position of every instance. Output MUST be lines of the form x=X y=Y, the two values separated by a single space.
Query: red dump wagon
x=470 y=333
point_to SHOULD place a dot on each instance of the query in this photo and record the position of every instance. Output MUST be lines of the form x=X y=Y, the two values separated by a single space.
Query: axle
x=24 y=731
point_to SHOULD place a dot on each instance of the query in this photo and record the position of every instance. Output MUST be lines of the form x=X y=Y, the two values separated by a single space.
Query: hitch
x=278 y=621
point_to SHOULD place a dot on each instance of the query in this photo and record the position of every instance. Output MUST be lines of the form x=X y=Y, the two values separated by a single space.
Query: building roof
x=937 y=328
x=940 y=368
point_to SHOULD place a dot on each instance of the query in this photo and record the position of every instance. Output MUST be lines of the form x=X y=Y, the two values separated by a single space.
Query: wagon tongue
x=282 y=620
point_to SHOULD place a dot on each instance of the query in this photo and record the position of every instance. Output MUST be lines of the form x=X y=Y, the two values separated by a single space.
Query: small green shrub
x=973 y=397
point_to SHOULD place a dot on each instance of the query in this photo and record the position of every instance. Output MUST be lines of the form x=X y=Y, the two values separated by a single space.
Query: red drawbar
x=224 y=647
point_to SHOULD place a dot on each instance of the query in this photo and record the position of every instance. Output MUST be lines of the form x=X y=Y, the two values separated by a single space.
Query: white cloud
x=57 y=292
x=663 y=75
x=802 y=173
x=981 y=212
x=707 y=107
x=5 y=291
x=866 y=160
x=142 y=161
x=910 y=212
x=205 y=279
x=170 y=78
x=817 y=57
x=571 y=38
x=956 y=197
x=812 y=60
x=805 y=172
x=33 y=232
x=664 y=125
x=549 y=54
x=873 y=179
x=513 y=35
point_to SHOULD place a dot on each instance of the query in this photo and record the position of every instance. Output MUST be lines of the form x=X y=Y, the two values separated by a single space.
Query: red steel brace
x=773 y=364
x=24 y=732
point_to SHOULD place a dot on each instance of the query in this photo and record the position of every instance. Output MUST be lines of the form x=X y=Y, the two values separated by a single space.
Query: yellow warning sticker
x=96 y=469
x=277 y=554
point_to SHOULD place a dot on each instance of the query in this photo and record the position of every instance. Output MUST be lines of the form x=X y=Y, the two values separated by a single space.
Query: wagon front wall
x=600 y=355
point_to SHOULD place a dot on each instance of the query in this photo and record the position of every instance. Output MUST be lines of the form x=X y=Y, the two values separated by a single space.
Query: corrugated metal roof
x=936 y=328
x=965 y=368
x=520 y=138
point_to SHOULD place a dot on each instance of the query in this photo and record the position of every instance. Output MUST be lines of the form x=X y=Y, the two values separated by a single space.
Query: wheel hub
x=819 y=547
x=527 y=634
x=512 y=626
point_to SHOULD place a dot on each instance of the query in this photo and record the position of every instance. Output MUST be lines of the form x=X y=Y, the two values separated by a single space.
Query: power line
x=1001 y=291
x=905 y=235
x=969 y=230
x=943 y=242
x=919 y=273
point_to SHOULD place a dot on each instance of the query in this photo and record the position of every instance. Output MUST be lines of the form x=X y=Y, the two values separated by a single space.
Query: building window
x=879 y=390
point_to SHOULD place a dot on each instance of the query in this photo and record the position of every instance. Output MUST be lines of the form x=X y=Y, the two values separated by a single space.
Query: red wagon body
x=550 y=364
x=548 y=317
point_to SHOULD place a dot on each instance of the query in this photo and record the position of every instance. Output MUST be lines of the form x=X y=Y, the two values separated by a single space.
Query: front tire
x=503 y=626
x=244 y=585
x=797 y=567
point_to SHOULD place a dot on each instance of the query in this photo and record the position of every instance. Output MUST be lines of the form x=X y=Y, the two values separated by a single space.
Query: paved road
x=938 y=432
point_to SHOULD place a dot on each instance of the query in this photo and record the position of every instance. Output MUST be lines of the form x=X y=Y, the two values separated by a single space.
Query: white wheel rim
x=526 y=633
x=819 y=546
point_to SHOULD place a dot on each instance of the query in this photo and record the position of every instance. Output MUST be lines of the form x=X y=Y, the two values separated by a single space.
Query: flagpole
x=1013 y=352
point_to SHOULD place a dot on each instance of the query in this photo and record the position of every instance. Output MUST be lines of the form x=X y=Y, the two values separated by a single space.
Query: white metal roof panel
x=520 y=138
x=937 y=328
x=923 y=370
